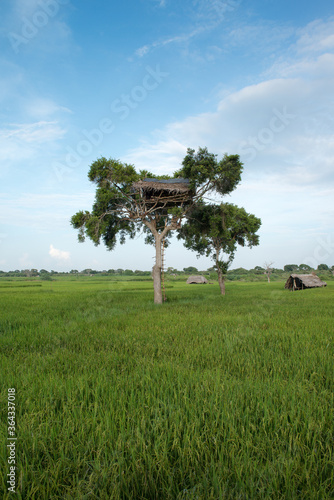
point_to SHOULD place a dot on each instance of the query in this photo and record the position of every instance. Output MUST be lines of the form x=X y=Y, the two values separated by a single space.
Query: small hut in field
x=164 y=192
x=304 y=281
x=197 y=280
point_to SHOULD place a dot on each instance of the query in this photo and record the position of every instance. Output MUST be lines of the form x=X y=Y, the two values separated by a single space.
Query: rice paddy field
x=204 y=397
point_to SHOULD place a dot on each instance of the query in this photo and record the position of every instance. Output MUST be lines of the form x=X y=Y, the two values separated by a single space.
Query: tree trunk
x=157 y=268
x=221 y=281
x=156 y=272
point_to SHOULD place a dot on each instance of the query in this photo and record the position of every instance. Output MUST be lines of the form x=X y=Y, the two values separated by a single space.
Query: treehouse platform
x=166 y=192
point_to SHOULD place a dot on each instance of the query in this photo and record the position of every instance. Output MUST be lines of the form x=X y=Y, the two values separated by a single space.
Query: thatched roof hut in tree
x=164 y=192
x=197 y=280
x=304 y=281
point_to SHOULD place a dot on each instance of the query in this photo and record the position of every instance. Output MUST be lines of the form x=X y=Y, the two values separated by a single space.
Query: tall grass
x=204 y=397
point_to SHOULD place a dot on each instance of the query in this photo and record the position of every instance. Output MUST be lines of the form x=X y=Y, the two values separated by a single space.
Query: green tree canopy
x=304 y=267
x=190 y=270
x=290 y=268
x=206 y=173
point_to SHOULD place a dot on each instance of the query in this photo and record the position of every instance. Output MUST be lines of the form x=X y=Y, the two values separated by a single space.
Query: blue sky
x=141 y=81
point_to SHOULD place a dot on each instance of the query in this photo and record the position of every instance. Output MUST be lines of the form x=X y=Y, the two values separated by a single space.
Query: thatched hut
x=168 y=192
x=304 y=281
x=197 y=280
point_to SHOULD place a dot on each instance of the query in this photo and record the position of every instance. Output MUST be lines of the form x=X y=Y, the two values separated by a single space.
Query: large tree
x=122 y=207
x=214 y=230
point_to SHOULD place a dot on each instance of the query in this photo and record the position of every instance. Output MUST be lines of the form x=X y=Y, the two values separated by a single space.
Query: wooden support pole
x=163 y=270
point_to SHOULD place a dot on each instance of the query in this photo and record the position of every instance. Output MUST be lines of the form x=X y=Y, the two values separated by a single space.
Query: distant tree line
x=211 y=271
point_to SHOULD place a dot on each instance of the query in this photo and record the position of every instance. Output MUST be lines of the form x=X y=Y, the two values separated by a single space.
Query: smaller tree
x=128 y=272
x=215 y=230
x=257 y=270
x=190 y=270
x=305 y=267
x=87 y=271
x=45 y=276
x=323 y=267
x=290 y=268
x=268 y=269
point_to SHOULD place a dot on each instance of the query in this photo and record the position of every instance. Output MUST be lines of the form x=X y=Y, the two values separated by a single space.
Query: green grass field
x=204 y=397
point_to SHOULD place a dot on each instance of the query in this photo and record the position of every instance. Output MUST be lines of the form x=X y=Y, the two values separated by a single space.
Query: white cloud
x=311 y=55
x=310 y=68
x=317 y=36
x=58 y=254
x=142 y=51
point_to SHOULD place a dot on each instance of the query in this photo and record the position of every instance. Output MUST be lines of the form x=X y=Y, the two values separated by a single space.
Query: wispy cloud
x=183 y=38
x=23 y=141
x=317 y=36
x=38 y=132
x=203 y=16
x=311 y=54
x=262 y=37
x=43 y=108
